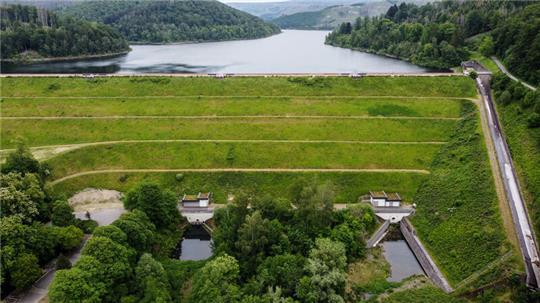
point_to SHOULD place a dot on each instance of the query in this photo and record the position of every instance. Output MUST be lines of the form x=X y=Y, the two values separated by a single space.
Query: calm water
x=196 y=245
x=293 y=51
x=402 y=261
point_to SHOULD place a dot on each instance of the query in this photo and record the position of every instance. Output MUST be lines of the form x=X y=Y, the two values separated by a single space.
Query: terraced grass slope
x=260 y=135
x=415 y=135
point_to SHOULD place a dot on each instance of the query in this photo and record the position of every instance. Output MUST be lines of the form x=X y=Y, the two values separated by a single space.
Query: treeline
x=173 y=21
x=118 y=263
x=265 y=250
x=28 y=242
x=28 y=32
x=433 y=35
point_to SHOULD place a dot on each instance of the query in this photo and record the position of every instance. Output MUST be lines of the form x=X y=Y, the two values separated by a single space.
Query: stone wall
x=423 y=257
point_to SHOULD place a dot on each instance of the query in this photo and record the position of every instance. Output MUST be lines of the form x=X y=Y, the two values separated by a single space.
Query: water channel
x=195 y=245
x=402 y=261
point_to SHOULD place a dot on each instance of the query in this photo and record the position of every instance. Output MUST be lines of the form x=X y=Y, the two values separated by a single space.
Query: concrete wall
x=425 y=260
x=378 y=235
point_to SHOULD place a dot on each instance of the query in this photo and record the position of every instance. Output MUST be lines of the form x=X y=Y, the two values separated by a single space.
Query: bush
x=87 y=226
x=179 y=177
x=63 y=262
x=26 y=271
x=62 y=214
x=533 y=121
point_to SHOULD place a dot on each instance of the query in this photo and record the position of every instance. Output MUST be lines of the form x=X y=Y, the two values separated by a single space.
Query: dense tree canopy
x=436 y=35
x=173 y=21
x=28 y=33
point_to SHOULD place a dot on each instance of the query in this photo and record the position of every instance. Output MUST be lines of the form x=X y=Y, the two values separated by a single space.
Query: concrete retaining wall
x=423 y=257
x=378 y=235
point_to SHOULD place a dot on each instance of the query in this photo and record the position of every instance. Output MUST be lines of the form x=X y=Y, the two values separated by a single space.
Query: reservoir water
x=195 y=245
x=293 y=51
x=403 y=263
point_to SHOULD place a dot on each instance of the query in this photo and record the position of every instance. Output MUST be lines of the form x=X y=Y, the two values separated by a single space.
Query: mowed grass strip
x=454 y=86
x=348 y=187
x=231 y=106
x=242 y=155
x=55 y=132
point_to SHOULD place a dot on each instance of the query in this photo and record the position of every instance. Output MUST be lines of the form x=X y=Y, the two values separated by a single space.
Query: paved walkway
x=40 y=288
x=504 y=70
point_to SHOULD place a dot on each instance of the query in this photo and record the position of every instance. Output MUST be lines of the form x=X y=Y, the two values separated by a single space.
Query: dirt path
x=266 y=170
x=226 y=117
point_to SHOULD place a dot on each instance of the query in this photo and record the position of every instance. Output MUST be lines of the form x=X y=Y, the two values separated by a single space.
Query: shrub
x=62 y=214
x=533 y=121
x=87 y=226
x=25 y=272
x=179 y=177
x=63 y=262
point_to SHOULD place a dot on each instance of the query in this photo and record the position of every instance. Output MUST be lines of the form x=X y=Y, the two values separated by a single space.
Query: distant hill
x=331 y=17
x=30 y=33
x=173 y=21
x=272 y=10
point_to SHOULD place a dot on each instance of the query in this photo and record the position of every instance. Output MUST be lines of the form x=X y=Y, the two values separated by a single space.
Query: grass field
x=390 y=123
x=249 y=86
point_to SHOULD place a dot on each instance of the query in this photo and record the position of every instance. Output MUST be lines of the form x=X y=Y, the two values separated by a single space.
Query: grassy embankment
x=457 y=216
x=427 y=118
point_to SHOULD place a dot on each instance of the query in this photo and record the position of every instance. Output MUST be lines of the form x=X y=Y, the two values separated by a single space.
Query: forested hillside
x=331 y=17
x=437 y=35
x=28 y=33
x=173 y=21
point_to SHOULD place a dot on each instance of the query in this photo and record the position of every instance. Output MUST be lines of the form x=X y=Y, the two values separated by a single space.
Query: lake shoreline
x=64 y=59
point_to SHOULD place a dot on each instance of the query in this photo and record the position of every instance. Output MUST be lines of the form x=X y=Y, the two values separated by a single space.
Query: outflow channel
x=522 y=225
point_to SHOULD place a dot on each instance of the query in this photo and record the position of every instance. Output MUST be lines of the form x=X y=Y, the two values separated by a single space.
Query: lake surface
x=293 y=51
x=195 y=245
x=402 y=261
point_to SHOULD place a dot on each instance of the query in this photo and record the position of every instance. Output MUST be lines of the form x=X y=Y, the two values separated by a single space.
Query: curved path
x=265 y=170
x=504 y=70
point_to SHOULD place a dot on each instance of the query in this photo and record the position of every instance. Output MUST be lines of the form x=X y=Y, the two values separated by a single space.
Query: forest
x=173 y=21
x=32 y=33
x=442 y=34
x=265 y=250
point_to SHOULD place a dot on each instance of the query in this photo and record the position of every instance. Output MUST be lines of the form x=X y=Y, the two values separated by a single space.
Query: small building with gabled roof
x=201 y=200
x=383 y=199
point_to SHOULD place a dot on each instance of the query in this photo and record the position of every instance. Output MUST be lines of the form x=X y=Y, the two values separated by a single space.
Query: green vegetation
x=355 y=110
x=512 y=43
x=348 y=186
x=123 y=87
x=27 y=242
x=519 y=111
x=243 y=155
x=87 y=131
x=173 y=21
x=440 y=35
x=232 y=106
x=457 y=216
x=31 y=33
x=116 y=263
x=426 y=294
x=327 y=18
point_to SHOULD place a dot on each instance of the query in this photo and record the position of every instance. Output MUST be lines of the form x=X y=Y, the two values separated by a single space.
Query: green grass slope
x=457 y=216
